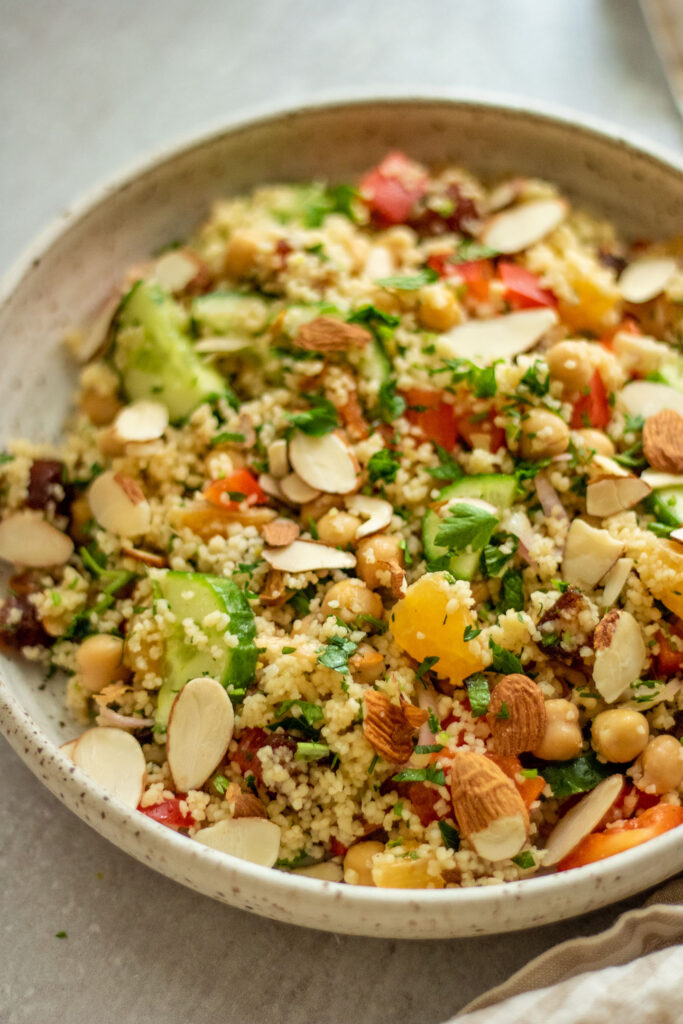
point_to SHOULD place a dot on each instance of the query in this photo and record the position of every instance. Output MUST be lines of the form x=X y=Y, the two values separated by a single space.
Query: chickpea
x=438 y=309
x=543 y=434
x=562 y=739
x=589 y=439
x=338 y=528
x=662 y=764
x=240 y=254
x=371 y=552
x=366 y=664
x=318 y=507
x=358 y=862
x=572 y=363
x=100 y=409
x=350 y=598
x=100 y=661
x=619 y=734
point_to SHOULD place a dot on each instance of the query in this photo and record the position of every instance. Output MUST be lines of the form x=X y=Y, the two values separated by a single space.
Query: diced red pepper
x=435 y=418
x=670 y=659
x=528 y=789
x=337 y=848
x=476 y=274
x=169 y=813
x=392 y=189
x=592 y=409
x=522 y=288
x=230 y=491
x=623 y=836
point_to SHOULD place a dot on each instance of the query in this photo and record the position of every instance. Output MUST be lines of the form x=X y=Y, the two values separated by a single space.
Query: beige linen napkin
x=636 y=965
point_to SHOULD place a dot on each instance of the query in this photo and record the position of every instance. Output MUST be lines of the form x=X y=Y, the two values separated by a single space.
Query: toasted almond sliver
x=307 y=556
x=146 y=557
x=97 y=331
x=500 y=338
x=589 y=553
x=620 y=653
x=28 y=539
x=175 y=269
x=253 y=839
x=114 y=759
x=278 y=461
x=376 y=511
x=296 y=490
x=199 y=731
x=142 y=421
x=523 y=225
x=328 y=871
x=583 y=817
x=118 y=504
x=614 y=581
x=610 y=495
x=646 y=398
x=270 y=485
x=646 y=278
x=280 y=532
x=325 y=463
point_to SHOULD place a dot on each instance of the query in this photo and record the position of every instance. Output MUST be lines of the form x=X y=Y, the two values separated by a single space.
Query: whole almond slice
x=582 y=819
x=620 y=654
x=609 y=495
x=200 y=728
x=523 y=225
x=646 y=398
x=254 y=839
x=114 y=759
x=119 y=505
x=308 y=556
x=488 y=808
x=325 y=463
x=500 y=338
x=663 y=441
x=589 y=553
x=278 y=460
x=376 y=512
x=646 y=278
x=141 y=421
x=615 y=581
x=28 y=539
x=296 y=490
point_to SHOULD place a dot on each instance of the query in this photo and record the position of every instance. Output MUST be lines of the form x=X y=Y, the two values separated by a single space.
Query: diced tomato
x=337 y=848
x=670 y=659
x=476 y=274
x=424 y=798
x=592 y=409
x=623 y=836
x=432 y=415
x=528 y=789
x=474 y=431
x=522 y=288
x=241 y=482
x=392 y=189
x=249 y=742
x=169 y=813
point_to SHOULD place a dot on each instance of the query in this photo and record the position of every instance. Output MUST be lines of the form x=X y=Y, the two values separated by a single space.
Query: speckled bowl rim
x=313 y=902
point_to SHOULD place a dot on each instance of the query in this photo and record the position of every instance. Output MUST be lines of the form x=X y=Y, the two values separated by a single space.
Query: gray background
x=85 y=89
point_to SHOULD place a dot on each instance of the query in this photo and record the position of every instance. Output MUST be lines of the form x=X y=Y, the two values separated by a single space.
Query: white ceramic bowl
x=72 y=267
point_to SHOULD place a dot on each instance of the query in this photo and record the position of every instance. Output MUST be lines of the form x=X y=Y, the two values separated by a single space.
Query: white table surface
x=86 y=88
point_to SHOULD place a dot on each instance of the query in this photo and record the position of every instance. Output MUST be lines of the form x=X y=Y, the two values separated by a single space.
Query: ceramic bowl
x=73 y=266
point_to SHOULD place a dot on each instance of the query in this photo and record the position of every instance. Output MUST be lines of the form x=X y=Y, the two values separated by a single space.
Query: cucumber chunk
x=230 y=313
x=194 y=596
x=496 y=488
x=155 y=357
x=667 y=505
x=374 y=365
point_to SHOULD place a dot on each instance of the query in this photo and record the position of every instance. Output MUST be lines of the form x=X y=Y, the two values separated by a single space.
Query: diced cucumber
x=155 y=357
x=673 y=373
x=195 y=596
x=374 y=366
x=667 y=505
x=496 y=488
x=230 y=313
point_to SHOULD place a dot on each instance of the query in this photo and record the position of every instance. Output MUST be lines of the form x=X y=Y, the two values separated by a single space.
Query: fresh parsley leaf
x=320 y=419
x=428 y=774
x=428 y=748
x=220 y=784
x=334 y=199
x=465 y=526
x=301 y=600
x=537 y=378
x=373 y=318
x=633 y=424
x=383 y=465
x=226 y=437
x=311 y=751
x=448 y=468
x=529 y=773
x=308 y=721
x=61 y=935
x=493 y=559
x=483 y=381
x=450 y=835
x=338 y=650
x=560 y=585
x=5 y=457
x=477 y=686
x=470 y=633
x=524 y=860
x=391 y=404
x=433 y=722
x=378 y=625
x=373 y=764
x=632 y=458
x=468 y=251
x=425 y=665
x=504 y=712
x=512 y=591
x=527 y=470
x=504 y=661
x=577 y=776
x=408 y=284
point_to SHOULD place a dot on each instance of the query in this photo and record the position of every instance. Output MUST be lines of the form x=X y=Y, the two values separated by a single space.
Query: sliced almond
x=615 y=581
x=677 y=534
x=199 y=731
x=523 y=225
x=296 y=490
x=114 y=759
x=271 y=486
x=390 y=728
x=589 y=553
x=327 y=334
x=119 y=505
x=376 y=512
x=609 y=495
x=94 y=338
x=488 y=808
x=142 y=421
x=517 y=716
x=328 y=871
x=663 y=441
x=307 y=556
x=28 y=539
x=68 y=748
x=280 y=532
x=646 y=278
x=253 y=839
x=604 y=465
x=620 y=653
x=146 y=557
x=657 y=480
x=325 y=463
x=646 y=398
x=500 y=338
x=177 y=269
x=278 y=461
x=582 y=819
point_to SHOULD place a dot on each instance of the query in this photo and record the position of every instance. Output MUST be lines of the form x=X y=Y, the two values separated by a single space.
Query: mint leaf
x=465 y=526
x=320 y=419
x=391 y=404
x=338 y=650
x=425 y=665
x=383 y=465
x=504 y=661
x=450 y=835
x=512 y=591
x=479 y=694
x=577 y=776
x=408 y=284
x=428 y=774
x=448 y=468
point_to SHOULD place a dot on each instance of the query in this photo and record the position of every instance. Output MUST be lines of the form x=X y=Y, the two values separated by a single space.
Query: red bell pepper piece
x=168 y=813
x=242 y=485
x=522 y=288
x=623 y=836
x=392 y=189
x=423 y=799
x=669 y=659
x=592 y=409
x=427 y=410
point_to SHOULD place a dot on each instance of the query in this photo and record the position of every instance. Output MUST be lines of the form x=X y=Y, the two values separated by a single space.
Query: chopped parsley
x=220 y=784
x=469 y=250
x=448 y=469
x=378 y=625
x=529 y=773
x=391 y=404
x=320 y=419
x=477 y=686
x=465 y=526
x=428 y=774
x=504 y=712
x=61 y=935
x=226 y=437
x=504 y=661
x=308 y=721
x=470 y=633
x=450 y=835
x=428 y=748
x=383 y=465
x=336 y=654
x=333 y=199
x=524 y=860
x=433 y=722
x=408 y=284
x=374 y=319
x=577 y=776
x=425 y=665
x=537 y=378
x=512 y=590
x=311 y=751
x=493 y=558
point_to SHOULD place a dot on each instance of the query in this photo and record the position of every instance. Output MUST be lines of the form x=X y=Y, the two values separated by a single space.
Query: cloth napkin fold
x=636 y=965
